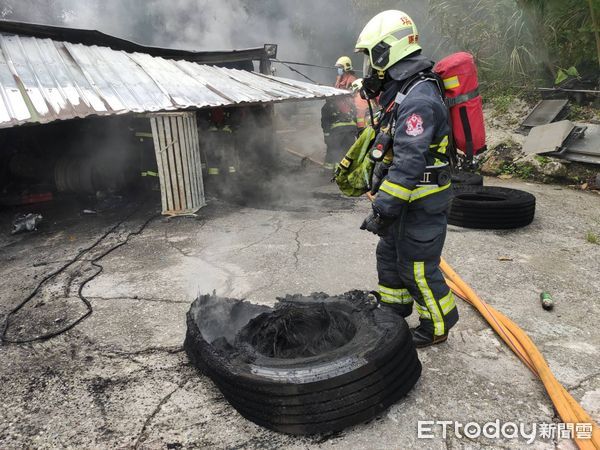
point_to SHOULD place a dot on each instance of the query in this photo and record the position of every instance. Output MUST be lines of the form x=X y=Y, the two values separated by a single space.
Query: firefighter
x=221 y=154
x=346 y=79
x=410 y=203
x=338 y=117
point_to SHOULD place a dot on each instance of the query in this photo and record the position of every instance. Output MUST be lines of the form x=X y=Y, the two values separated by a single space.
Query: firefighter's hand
x=376 y=224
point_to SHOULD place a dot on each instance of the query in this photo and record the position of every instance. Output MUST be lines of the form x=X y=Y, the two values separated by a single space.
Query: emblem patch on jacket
x=414 y=125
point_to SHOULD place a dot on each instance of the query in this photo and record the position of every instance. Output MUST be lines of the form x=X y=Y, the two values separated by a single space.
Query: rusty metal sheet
x=43 y=80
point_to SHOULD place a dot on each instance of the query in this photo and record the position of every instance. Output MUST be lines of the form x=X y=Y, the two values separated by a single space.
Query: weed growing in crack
x=592 y=238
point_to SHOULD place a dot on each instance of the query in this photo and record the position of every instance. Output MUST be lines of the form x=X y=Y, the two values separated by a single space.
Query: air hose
x=569 y=410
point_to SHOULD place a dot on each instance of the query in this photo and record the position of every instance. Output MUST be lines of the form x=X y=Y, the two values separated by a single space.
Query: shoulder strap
x=410 y=84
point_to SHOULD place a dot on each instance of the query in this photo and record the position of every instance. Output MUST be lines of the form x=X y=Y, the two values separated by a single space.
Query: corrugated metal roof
x=95 y=37
x=42 y=80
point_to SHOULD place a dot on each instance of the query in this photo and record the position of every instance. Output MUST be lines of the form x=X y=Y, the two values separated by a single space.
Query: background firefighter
x=220 y=153
x=413 y=195
x=338 y=117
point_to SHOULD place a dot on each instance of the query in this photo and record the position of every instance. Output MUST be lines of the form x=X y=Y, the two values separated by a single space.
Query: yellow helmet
x=386 y=39
x=344 y=62
x=357 y=85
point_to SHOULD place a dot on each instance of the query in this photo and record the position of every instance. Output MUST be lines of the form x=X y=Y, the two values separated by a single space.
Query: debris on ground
x=547 y=301
x=545 y=112
x=507 y=161
x=513 y=154
x=549 y=138
x=26 y=222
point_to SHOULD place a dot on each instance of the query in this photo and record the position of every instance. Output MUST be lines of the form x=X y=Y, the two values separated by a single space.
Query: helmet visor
x=366 y=65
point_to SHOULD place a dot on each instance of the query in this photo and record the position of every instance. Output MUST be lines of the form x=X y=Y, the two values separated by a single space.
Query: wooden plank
x=163 y=147
x=184 y=146
x=170 y=143
x=188 y=120
x=159 y=163
x=178 y=162
x=198 y=159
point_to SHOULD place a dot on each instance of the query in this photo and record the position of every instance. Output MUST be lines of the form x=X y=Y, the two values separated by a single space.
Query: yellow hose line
x=520 y=351
x=566 y=406
x=500 y=329
x=515 y=345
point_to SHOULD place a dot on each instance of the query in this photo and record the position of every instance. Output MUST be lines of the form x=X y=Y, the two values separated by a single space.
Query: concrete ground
x=120 y=378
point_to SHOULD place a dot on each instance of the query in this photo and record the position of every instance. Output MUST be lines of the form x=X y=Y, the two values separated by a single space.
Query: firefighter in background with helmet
x=409 y=210
x=338 y=117
x=220 y=153
x=346 y=80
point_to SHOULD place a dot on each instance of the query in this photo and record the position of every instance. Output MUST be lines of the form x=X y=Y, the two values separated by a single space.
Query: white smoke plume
x=312 y=31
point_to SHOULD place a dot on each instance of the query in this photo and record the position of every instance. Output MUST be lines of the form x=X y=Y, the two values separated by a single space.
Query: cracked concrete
x=121 y=380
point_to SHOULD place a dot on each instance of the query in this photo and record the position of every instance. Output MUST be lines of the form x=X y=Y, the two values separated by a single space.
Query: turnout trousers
x=408 y=259
x=338 y=142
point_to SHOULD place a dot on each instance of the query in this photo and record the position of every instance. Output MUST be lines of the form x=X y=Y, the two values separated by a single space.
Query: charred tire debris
x=491 y=207
x=309 y=365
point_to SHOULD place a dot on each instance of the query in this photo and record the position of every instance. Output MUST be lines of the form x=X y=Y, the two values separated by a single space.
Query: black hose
x=303 y=64
x=371 y=112
x=52 y=275
x=311 y=65
x=297 y=71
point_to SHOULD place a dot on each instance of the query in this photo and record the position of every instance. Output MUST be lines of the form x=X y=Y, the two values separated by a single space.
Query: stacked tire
x=314 y=394
x=491 y=207
x=467 y=179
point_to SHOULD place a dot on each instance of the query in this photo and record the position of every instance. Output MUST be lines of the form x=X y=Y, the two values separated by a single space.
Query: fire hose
x=569 y=410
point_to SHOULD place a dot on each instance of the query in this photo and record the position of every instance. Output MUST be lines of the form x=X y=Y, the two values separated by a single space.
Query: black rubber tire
x=328 y=392
x=382 y=374
x=491 y=208
x=335 y=420
x=374 y=344
x=334 y=425
x=467 y=179
x=330 y=409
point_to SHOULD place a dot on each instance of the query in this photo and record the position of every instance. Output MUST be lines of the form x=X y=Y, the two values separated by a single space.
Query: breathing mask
x=372 y=81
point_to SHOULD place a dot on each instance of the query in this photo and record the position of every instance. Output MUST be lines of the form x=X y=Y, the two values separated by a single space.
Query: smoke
x=310 y=31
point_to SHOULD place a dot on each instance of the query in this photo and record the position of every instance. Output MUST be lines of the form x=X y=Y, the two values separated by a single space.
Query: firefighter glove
x=376 y=224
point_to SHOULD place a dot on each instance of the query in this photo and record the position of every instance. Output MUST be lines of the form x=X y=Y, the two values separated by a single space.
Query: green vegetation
x=543 y=160
x=568 y=29
x=578 y=113
x=523 y=41
x=522 y=170
x=501 y=103
x=592 y=238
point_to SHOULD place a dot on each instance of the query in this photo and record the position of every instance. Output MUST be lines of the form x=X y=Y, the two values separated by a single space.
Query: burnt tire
x=319 y=393
x=327 y=421
x=466 y=179
x=491 y=207
x=365 y=386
